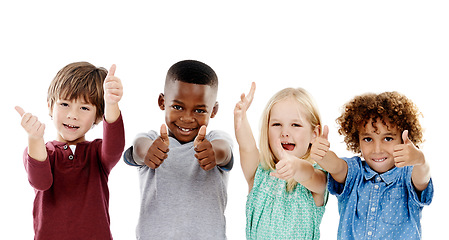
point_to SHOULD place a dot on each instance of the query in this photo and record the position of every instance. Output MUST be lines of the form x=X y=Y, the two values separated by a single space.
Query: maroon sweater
x=72 y=196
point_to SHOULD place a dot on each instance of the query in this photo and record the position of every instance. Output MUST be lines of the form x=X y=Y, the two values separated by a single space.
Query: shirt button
x=71 y=157
x=376 y=186
x=65 y=147
x=370 y=233
x=378 y=179
x=373 y=209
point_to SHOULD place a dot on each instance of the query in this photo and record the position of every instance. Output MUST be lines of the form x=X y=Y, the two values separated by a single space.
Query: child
x=382 y=196
x=70 y=174
x=287 y=191
x=183 y=173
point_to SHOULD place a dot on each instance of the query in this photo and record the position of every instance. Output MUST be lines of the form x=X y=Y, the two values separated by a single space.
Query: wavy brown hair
x=392 y=108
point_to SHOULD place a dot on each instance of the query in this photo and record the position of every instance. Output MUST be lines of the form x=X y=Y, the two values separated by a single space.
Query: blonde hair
x=267 y=158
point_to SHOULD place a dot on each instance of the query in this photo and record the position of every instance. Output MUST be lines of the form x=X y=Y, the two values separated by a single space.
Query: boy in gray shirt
x=184 y=172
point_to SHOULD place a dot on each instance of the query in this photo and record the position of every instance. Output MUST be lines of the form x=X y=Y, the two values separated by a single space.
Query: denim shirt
x=379 y=206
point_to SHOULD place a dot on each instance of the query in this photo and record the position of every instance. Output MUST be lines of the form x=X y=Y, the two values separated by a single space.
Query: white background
x=334 y=49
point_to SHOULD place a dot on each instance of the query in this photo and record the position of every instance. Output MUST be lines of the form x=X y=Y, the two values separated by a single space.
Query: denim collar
x=388 y=177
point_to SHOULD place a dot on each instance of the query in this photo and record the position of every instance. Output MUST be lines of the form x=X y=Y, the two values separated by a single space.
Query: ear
x=50 y=110
x=161 y=101
x=214 y=110
x=316 y=132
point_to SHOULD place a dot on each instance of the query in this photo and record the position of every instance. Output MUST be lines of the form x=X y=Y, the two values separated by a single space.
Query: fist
x=320 y=146
x=113 y=89
x=157 y=152
x=204 y=150
x=31 y=124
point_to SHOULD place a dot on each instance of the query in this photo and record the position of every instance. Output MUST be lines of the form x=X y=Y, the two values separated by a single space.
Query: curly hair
x=392 y=108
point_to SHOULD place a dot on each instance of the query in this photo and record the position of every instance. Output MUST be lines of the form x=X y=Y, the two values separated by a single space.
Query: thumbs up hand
x=204 y=150
x=157 y=152
x=31 y=124
x=113 y=89
x=407 y=154
x=287 y=166
x=320 y=146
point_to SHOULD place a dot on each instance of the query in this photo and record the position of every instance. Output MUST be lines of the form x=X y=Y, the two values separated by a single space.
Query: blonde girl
x=287 y=190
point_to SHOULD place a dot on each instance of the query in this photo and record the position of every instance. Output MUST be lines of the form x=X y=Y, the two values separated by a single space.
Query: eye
x=275 y=124
x=177 y=107
x=63 y=104
x=201 y=111
x=85 y=108
x=296 y=125
x=388 y=139
x=367 y=139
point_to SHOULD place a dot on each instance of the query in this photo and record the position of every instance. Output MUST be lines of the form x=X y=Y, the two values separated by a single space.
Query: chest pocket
x=395 y=206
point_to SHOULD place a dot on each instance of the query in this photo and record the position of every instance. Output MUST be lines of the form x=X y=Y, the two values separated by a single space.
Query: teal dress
x=274 y=213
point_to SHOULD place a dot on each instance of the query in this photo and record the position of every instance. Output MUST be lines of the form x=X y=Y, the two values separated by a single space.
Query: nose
x=284 y=133
x=187 y=118
x=72 y=114
x=377 y=147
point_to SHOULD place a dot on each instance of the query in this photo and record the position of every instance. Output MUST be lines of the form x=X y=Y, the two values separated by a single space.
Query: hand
x=157 y=152
x=287 y=166
x=31 y=124
x=407 y=154
x=242 y=106
x=113 y=89
x=320 y=146
x=204 y=151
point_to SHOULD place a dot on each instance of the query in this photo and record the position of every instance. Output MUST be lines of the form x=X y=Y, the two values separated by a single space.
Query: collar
x=388 y=177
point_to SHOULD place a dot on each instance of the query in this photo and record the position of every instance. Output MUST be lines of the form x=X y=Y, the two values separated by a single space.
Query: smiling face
x=72 y=119
x=289 y=126
x=187 y=107
x=377 y=145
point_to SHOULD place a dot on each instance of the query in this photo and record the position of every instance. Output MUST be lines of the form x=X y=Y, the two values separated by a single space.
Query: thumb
x=164 y=134
x=279 y=150
x=325 y=132
x=112 y=70
x=405 y=138
x=200 y=137
x=20 y=110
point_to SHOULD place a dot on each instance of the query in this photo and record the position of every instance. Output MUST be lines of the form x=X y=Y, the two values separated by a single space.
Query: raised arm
x=151 y=152
x=328 y=160
x=249 y=154
x=211 y=153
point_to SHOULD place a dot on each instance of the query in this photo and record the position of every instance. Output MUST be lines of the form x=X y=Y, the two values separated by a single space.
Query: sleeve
x=39 y=173
x=216 y=134
x=113 y=143
x=423 y=198
x=341 y=190
x=128 y=157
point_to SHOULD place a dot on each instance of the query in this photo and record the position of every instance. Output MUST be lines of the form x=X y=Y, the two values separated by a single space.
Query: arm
x=328 y=160
x=35 y=158
x=407 y=154
x=301 y=171
x=211 y=153
x=249 y=154
x=151 y=152
x=35 y=130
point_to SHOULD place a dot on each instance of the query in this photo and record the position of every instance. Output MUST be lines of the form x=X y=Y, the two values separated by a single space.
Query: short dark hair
x=192 y=71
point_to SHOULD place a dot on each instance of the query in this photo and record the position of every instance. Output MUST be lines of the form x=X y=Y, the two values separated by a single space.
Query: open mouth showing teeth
x=70 y=126
x=186 y=129
x=379 y=159
x=288 y=146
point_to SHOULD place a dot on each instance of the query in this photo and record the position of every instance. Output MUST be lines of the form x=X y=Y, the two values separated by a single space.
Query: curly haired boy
x=382 y=191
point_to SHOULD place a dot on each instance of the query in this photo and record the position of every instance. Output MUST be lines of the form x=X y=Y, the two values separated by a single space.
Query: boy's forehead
x=378 y=126
x=177 y=88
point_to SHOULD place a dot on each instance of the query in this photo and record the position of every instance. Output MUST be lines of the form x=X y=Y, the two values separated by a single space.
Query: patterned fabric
x=274 y=213
x=379 y=206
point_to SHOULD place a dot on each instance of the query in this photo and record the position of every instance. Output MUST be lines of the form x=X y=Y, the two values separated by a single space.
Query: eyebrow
x=197 y=106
